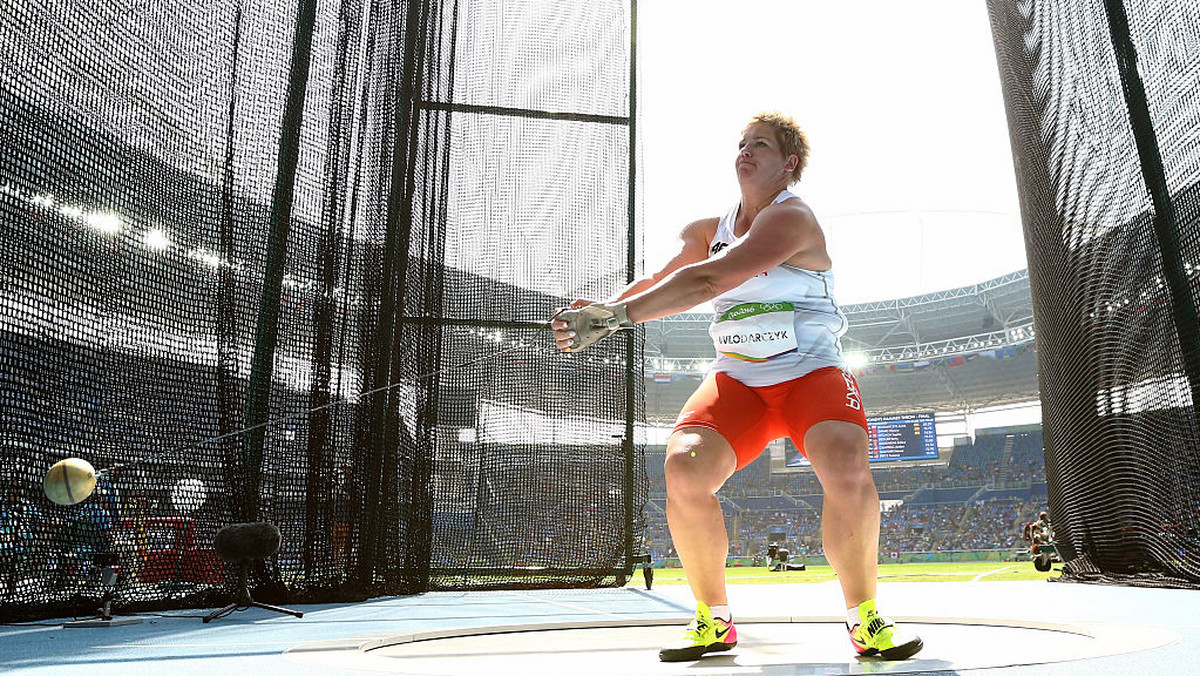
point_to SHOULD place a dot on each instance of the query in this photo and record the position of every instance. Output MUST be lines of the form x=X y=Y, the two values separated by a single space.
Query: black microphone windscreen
x=247 y=541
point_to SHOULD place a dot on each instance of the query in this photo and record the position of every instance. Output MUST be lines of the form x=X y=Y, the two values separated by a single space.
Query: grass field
x=991 y=571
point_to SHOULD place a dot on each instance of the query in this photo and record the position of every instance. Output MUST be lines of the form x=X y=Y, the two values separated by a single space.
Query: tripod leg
x=244 y=600
x=220 y=613
x=278 y=609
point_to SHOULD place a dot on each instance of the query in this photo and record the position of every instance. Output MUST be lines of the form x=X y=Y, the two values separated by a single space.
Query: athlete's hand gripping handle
x=576 y=329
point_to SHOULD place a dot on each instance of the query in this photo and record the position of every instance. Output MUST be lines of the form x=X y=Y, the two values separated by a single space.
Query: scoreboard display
x=906 y=436
x=902 y=437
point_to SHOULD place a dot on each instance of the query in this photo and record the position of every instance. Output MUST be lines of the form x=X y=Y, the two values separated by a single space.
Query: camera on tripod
x=778 y=554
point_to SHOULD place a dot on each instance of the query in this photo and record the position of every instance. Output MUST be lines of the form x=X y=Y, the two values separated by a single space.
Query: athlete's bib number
x=755 y=331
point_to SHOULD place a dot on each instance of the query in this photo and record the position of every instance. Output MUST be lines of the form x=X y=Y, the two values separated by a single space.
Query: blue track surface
x=253 y=642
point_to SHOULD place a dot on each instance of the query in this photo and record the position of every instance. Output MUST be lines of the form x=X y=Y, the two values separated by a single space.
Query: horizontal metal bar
x=523 y=112
x=481 y=323
x=526 y=572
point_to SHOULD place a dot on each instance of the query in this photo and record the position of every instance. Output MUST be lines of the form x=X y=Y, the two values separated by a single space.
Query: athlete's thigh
x=733 y=411
x=825 y=396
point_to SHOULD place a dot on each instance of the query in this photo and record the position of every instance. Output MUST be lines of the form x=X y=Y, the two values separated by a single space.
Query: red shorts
x=751 y=417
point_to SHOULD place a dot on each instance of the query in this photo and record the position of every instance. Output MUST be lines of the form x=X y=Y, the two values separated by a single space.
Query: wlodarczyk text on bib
x=755 y=331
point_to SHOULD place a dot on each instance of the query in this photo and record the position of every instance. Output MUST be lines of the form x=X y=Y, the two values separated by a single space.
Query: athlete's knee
x=697 y=466
x=685 y=476
x=838 y=451
x=849 y=483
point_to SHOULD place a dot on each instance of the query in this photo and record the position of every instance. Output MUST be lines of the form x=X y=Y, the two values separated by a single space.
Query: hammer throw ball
x=69 y=481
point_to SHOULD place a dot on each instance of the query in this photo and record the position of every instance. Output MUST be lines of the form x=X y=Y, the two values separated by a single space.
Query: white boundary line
x=980 y=576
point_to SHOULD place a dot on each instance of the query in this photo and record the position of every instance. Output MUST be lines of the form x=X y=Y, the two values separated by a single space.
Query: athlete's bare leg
x=850 y=520
x=699 y=461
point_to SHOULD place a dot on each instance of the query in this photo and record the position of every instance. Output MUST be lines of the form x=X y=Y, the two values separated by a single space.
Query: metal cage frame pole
x=630 y=269
x=258 y=401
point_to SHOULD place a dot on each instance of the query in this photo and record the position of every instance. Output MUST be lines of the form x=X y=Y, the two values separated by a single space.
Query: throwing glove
x=592 y=323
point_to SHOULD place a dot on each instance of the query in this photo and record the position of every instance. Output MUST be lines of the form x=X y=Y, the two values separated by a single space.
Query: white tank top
x=777 y=326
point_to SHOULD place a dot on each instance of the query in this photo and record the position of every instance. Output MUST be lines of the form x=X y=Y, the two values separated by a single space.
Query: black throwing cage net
x=342 y=225
x=1104 y=113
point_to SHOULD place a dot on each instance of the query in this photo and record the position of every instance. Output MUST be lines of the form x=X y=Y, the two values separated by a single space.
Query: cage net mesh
x=1111 y=209
x=341 y=224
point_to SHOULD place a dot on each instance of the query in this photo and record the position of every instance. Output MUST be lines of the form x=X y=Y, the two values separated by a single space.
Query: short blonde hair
x=792 y=140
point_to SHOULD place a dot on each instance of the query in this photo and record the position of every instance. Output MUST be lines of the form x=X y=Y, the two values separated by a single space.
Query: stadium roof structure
x=961 y=349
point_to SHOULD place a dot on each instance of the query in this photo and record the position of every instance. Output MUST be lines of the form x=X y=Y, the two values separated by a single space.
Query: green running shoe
x=704 y=634
x=877 y=635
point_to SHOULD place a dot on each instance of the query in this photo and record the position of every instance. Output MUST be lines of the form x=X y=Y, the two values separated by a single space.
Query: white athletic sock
x=721 y=612
x=851 y=617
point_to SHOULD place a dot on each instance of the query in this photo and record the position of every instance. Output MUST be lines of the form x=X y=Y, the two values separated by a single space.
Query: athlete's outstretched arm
x=775 y=236
x=692 y=248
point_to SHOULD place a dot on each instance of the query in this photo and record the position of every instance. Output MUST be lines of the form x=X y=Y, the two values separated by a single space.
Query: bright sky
x=911 y=172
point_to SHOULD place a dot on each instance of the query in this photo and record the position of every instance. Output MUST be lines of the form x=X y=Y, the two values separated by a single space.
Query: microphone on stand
x=247 y=541
x=243 y=544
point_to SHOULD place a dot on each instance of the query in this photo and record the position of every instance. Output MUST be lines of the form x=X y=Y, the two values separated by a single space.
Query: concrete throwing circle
x=771 y=646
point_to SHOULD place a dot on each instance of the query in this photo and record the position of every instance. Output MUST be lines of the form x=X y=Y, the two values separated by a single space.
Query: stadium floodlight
x=857 y=360
x=156 y=239
x=107 y=223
